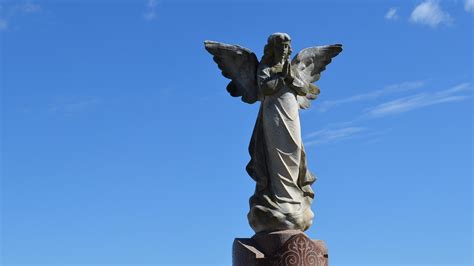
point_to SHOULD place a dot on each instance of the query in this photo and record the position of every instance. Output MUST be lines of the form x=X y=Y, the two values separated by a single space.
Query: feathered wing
x=308 y=65
x=238 y=64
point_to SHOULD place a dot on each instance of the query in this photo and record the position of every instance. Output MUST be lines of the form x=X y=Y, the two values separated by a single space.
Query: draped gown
x=283 y=196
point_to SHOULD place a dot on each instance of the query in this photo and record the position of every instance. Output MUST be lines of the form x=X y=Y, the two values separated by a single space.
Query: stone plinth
x=285 y=248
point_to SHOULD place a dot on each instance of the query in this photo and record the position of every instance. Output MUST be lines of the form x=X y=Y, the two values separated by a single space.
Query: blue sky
x=120 y=144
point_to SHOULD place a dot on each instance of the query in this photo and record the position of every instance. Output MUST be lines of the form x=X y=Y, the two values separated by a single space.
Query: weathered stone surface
x=283 y=194
x=284 y=248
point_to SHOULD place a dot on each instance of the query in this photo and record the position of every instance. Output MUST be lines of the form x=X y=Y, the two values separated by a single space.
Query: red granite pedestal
x=285 y=248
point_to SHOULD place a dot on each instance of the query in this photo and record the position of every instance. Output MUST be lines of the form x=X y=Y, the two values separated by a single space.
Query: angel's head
x=277 y=49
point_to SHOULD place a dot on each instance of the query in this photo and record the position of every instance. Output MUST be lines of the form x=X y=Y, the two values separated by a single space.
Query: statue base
x=285 y=248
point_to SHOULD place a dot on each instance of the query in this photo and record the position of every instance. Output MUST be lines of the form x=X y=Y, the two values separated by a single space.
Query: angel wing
x=238 y=64
x=308 y=65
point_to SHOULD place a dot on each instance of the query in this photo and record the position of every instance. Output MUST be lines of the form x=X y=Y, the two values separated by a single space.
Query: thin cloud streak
x=29 y=7
x=328 y=135
x=75 y=106
x=394 y=88
x=337 y=132
x=10 y=12
x=418 y=101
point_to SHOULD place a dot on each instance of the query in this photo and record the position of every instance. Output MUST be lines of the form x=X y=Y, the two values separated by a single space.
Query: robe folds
x=283 y=194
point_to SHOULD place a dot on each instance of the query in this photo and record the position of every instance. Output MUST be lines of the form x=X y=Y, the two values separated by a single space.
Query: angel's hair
x=269 y=50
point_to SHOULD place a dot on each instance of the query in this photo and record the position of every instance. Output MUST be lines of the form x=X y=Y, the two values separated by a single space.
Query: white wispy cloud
x=392 y=14
x=430 y=13
x=29 y=7
x=394 y=88
x=150 y=13
x=10 y=12
x=417 y=101
x=355 y=128
x=469 y=5
x=329 y=135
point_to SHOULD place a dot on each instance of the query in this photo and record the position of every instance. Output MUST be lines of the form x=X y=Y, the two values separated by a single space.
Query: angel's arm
x=268 y=82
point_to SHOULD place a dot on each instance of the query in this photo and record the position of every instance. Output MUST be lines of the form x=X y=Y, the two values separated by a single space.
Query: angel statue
x=283 y=194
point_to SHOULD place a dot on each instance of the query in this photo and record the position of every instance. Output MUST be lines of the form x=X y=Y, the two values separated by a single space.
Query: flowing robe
x=283 y=195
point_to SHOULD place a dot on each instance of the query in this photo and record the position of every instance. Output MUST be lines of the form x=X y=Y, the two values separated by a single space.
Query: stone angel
x=283 y=194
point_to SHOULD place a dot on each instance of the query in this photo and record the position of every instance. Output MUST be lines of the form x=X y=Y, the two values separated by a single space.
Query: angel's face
x=282 y=51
